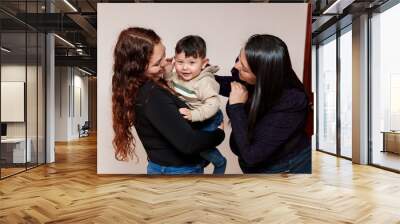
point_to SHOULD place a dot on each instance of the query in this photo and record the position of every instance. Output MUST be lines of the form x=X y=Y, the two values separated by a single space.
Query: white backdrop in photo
x=225 y=28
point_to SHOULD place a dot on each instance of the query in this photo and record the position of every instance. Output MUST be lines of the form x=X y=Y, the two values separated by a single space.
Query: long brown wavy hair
x=131 y=59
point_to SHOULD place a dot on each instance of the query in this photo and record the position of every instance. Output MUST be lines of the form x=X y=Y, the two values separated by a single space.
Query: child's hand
x=169 y=65
x=221 y=126
x=187 y=114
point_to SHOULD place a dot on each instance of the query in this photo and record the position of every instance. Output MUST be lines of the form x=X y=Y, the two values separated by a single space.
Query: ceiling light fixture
x=70 y=5
x=5 y=50
x=337 y=7
x=64 y=40
x=84 y=71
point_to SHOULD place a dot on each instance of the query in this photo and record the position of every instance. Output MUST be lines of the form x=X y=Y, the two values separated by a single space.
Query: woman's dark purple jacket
x=279 y=136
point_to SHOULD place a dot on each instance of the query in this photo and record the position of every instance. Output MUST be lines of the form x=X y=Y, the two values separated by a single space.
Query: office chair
x=84 y=130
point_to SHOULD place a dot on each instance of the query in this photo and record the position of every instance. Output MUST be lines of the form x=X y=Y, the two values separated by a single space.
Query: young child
x=194 y=80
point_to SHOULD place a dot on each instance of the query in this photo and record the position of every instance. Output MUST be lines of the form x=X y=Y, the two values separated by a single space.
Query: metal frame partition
x=36 y=34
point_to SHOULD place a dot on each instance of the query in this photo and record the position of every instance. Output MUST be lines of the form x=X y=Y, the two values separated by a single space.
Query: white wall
x=16 y=73
x=225 y=28
x=68 y=81
x=80 y=84
x=61 y=103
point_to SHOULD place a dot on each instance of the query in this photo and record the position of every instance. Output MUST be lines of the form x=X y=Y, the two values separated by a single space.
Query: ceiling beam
x=82 y=61
x=84 y=24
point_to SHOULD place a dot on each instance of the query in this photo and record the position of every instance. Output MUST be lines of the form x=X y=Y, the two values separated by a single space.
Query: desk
x=15 y=148
x=391 y=141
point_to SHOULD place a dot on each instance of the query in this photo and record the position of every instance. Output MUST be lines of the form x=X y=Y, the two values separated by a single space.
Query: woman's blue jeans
x=153 y=168
x=301 y=163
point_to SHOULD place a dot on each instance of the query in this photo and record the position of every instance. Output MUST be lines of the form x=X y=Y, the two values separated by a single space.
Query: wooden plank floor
x=10 y=171
x=70 y=191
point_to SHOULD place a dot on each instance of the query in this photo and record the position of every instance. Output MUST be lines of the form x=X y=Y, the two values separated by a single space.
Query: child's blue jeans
x=213 y=155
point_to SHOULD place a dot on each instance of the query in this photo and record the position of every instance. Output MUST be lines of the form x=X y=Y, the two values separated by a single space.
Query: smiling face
x=245 y=72
x=189 y=68
x=156 y=65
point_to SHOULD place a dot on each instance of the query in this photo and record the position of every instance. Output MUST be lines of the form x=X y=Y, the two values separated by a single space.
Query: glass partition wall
x=334 y=94
x=22 y=77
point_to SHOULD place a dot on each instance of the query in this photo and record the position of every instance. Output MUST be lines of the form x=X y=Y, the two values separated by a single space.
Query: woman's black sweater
x=167 y=137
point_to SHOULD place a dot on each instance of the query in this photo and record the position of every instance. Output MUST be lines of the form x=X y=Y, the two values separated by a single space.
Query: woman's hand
x=239 y=93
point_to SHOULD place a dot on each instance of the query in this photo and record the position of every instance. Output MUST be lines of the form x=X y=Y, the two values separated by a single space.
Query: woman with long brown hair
x=142 y=99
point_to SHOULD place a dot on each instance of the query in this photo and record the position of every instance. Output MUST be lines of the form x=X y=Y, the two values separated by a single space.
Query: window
x=385 y=89
x=327 y=96
x=346 y=93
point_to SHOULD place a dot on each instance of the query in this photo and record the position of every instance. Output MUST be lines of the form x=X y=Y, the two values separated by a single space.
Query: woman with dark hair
x=142 y=99
x=267 y=110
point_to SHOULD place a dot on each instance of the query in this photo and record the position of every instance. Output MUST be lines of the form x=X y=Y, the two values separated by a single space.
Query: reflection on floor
x=386 y=159
x=10 y=169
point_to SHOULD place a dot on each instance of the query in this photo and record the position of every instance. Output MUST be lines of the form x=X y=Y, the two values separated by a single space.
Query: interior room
x=58 y=158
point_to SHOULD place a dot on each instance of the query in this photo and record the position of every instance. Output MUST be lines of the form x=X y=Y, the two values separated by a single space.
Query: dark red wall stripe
x=307 y=73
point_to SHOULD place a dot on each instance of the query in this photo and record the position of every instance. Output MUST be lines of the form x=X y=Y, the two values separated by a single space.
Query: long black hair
x=269 y=60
